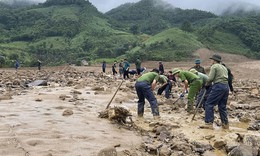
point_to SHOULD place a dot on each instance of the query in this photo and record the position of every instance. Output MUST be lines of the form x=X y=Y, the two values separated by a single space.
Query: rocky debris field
x=62 y=111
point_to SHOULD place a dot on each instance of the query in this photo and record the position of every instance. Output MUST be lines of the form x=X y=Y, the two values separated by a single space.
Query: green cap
x=175 y=71
x=194 y=71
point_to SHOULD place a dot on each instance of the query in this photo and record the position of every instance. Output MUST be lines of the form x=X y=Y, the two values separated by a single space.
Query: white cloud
x=208 y=5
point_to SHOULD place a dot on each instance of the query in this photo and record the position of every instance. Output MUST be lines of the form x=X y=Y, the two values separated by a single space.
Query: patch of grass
x=226 y=42
x=172 y=44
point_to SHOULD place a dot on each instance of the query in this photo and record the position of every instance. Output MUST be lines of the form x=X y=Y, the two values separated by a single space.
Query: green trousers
x=195 y=87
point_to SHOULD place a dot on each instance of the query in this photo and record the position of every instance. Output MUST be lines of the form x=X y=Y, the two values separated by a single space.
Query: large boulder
x=242 y=150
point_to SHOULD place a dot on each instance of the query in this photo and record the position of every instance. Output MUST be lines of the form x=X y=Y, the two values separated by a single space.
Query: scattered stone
x=245 y=118
x=98 y=88
x=209 y=153
x=219 y=144
x=37 y=83
x=182 y=146
x=72 y=100
x=111 y=151
x=38 y=99
x=254 y=126
x=164 y=135
x=201 y=147
x=63 y=96
x=241 y=150
x=257 y=116
x=153 y=124
x=151 y=149
x=252 y=140
x=5 y=97
x=160 y=129
x=208 y=137
x=165 y=151
x=67 y=112
x=16 y=82
x=76 y=92
x=254 y=91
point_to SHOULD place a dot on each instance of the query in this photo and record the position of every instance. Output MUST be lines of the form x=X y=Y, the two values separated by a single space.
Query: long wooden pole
x=114 y=94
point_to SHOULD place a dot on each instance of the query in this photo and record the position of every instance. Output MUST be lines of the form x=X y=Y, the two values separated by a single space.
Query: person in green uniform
x=198 y=67
x=218 y=95
x=203 y=89
x=190 y=80
x=166 y=86
x=144 y=88
x=138 y=66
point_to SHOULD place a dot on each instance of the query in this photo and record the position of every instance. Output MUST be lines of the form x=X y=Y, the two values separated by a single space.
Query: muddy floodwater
x=61 y=117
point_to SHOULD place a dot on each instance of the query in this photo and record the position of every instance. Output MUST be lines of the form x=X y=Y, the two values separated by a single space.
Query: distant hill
x=144 y=13
x=58 y=32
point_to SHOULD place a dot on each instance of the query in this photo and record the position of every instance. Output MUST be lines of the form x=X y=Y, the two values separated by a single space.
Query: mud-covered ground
x=60 y=118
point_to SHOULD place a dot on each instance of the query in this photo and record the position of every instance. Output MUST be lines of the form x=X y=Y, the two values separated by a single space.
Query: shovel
x=114 y=95
x=198 y=106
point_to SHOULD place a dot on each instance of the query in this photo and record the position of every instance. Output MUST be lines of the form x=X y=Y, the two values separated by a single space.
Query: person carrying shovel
x=190 y=80
x=144 y=88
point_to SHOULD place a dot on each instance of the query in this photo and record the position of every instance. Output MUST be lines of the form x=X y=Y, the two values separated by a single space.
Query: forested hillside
x=68 y=31
x=153 y=16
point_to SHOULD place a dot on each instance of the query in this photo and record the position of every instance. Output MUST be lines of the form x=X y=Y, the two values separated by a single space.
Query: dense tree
x=186 y=26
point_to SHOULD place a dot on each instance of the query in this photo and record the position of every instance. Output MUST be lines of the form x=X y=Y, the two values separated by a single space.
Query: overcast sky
x=215 y=6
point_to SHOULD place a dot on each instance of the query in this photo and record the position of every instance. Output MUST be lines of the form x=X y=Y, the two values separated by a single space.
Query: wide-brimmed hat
x=175 y=71
x=194 y=71
x=197 y=61
x=155 y=70
x=216 y=57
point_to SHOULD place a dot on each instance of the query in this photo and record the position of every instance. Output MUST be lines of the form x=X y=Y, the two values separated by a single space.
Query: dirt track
x=61 y=119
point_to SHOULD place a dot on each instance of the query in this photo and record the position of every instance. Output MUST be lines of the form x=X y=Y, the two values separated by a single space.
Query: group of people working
x=123 y=65
x=211 y=89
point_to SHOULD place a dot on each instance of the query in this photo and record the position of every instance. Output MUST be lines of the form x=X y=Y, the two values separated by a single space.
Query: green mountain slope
x=153 y=16
x=59 y=32
x=171 y=44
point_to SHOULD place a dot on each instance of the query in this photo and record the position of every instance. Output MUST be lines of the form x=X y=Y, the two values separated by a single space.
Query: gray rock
x=164 y=135
x=164 y=151
x=209 y=153
x=252 y=140
x=67 y=112
x=245 y=118
x=219 y=144
x=241 y=150
x=201 y=147
x=160 y=129
x=151 y=149
x=230 y=147
x=254 y=126
x=182 y=146
x=110 y=151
